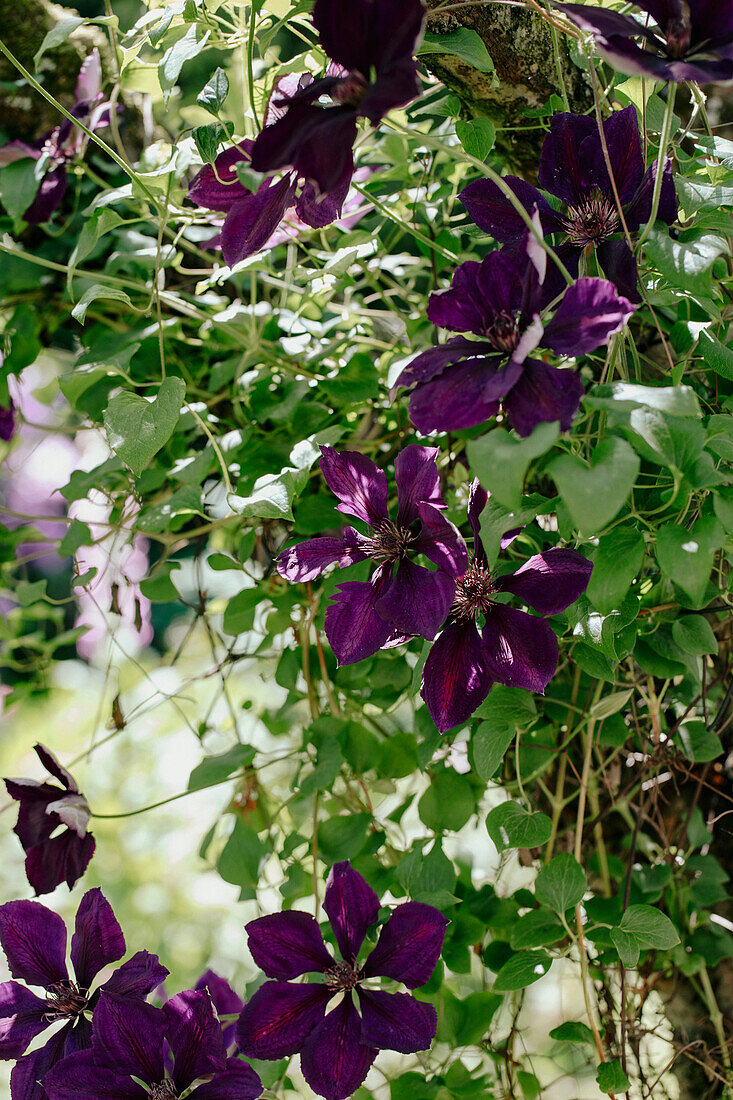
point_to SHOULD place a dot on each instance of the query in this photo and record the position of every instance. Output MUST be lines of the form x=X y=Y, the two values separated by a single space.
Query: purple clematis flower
x=34 y=941
x=139 y=1052
x=402 y=599
x=63 y=143
x=225 y=1000
x=573 y=169
x=464 y=382
x=512 y=648
x=338 y=1047
x=373 y=42
x=52 y=857
x=689 y=39
x=7 y=421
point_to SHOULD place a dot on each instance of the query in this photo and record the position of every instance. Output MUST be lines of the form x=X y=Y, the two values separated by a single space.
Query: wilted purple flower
x=7 y=421
x=63 y=143
x=463 y=382
x=52 y=856
x=34 y=941
x=402 y=599
x=573 y=169
x=337 y=1048
x=689 y=39
x=139 y=1052
x=512 y=647
x=226 y=1001
x=373 y=41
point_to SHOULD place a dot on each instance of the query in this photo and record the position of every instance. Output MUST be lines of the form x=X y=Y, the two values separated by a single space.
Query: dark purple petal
x=352 y=907
x=519 y=649
x=392 y=89
x=32 y=1068
x=226 y=1001
x=492 y=211
x=316 y=141
x=286 y=945
x=17 y=150
x=354 y=627
x=7 y=422
x=602 y=23
x=34 y=941
x=639 y=210
x=22 y=1017
x=549 y=582
x=562 y=171
x=590 y=312
x=466 y=394
x=308 y=559
x=482 y=295
x=217 y=186
x=194 y=1036
x=409 y=945
x=357 y=482
x=48 y=196
x=277 y=145
x=276 y=1021
x=54 y=768
x=138 y=977
x=251 y=222
x=89 y=81
x=64 y=858
x=416 y=474
x=623 y=140
x=441 y=542
x=455 y=678
x=396 y=1021
x=78 y=1077
x=97 y=938
x=345 y=32
x=73 y=811
x=334 y=1059
x=418 y=600
x=477 y=500
x=34 y=825
x=618 y=264
x=128 y=1037
x=541 y=395
x=237 y=1082
x=433 y=362
x=319 y=209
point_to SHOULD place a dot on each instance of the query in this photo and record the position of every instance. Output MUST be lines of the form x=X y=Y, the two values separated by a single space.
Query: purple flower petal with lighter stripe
x=22 y=1017
x=455 y=679
x=541 y=395
x=354 y=627
x=308 y=559
x=97 y=939
x=237 y=1081
x=194 y=1035
x=590 y=313
x=34 y=941
x=79 y=1077
x=359 y=484
x=396 y=1021
x=409 y=945
x=335 y=1059
x=286 y=945
x=351 y=906
x=520 y=650
x=418 y=481
x=417 y=600
x=129 y=1036
x=549 y=582
x=279 y=1017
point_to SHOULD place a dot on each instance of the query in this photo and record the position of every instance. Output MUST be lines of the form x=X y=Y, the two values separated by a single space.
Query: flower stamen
x=390 y=542
x=164 y=1091
x=473 y=592
x=65 y=1000
x=342 y=976
x=592 y=221
x=503 y=332
x=349 y=92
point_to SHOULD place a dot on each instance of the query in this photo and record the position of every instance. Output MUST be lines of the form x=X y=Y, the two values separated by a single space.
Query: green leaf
x=642 y=927
x=239 y=615
x=572 y=1031
x=59 y=32
x=500 y=460
x=561 y=883
x=538 y=928
x=343 y=836
x=611 y=1077
x=92 y=294
x=207 y=140
x=618 y=397
x=697 y=742
x=472 y=1017
x=685 y=264
x=687 y=557
x=489 y=744
x=511 y=826
x=523 y=969
x=212 y=769
x=239 y=862
x=717 y=356
x=595 y=494
x=447 y=803
x=137 y=428
x=694 y=634
x=464 y=43
x=214 y=92
x=93 y=229
x=618 y=559
x=18 y=186
x=175 y=57
x=477 y=136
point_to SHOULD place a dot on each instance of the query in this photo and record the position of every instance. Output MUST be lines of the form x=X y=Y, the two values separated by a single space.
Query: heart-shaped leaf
x=511 y=826
x=594 y=494
x=137 y=428
x=500 y=460
x=561 y=883
x=687 y=556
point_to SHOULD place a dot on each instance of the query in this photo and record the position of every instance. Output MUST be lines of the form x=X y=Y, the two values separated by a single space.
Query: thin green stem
x=658 y=179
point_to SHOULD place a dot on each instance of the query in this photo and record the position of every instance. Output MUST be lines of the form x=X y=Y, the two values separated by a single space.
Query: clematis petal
x=286 y=945
x=308 y=559
x=618 y=264
x=562 y=171
x=54 y=768
x=29 y=1071
x=63 y=858
x=78 y=1077
x=22 y=1017
x=345 y=32
x=416 y=474
x=277 y=145
x=467 y=393
x=34 y=941
x=418 y=600
x=623 y=140
x=335 y=1060
x=128 y=1037
x=409 y=945
x=279 y=1017
x=194 y=1036
x=251 y=222
x=226 y=1001
x=17 y=150
x=237 y=1081
x=492 y=211
x=430 y=363
x=549 y=582
x=89 y=81
x=477 y=501
x=97 y=938
x=357 y=482
x=541 y=395
x=319 y=209
x=34 y=825
x=441 y=542
x=602 y=22
x=217 y=186
x=7 y=420
x=138 y=977
x=639 y=209
x=326 y=155
x=393 y=88
x=455 y=678
x=354 y=627
x=352 y=907
x=520 y=650
x=397 y=28
x=590 y=312
x=48 y=197
x=396 y=1021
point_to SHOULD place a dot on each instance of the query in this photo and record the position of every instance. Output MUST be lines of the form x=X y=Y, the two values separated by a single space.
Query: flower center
x=349 y=92
x=502 y=332
x=593 y=220
x=63 y=1000
x=473 y=592
x=677 y=32
x=164 y=1091
x=342 y=976
x=389 y=543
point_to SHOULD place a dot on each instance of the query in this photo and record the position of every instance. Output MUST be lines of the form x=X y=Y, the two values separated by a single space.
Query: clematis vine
x=402 y=599
x=139 y=1052
x=52 y=826
x=573 y=169
x=373 y=43
x=510 y=647
x=463 y=382
x=687 y=40
x=337 y=1047
x=34 y=941
x=62 y=144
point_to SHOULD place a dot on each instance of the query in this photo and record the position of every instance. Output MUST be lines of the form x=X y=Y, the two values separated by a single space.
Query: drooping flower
x=688 y=39
x=573 y=169
x=402 y=599
x=225 y=1000
x=463 y=382
x=140 y=1052
x=52 y=856
x=34 y=941
x=373 y=41
x=511 y=647
x=337 y=1047
x=64 y=142
x=7 y=421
